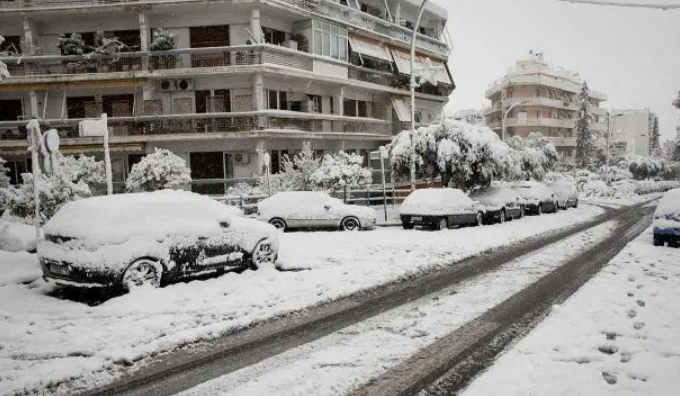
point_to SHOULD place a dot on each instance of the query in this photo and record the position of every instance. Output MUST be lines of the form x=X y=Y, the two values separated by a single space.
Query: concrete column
x=145 y=40
x=258 y=92
x=326 y=109
x=30 y=37
x=339 y=101
x=255 y=26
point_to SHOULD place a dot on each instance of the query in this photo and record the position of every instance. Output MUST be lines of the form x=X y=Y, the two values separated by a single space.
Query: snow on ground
x=16 y=237
x=19 y=267
x=618 y=335
x=339 y=363
x=45 y=340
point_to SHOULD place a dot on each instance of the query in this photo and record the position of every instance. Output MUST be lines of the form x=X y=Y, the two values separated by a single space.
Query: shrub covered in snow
x=70 y=181
x=295 y=175
x=158 y=171
x=536 y=156
x=340 y=172
x=645 y=167
x=4 y=73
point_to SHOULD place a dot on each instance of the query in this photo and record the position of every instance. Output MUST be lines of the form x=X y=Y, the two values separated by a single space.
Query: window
x=329 y=40
x=133 y=159
x=10 y=110
x=16 y=168
x=538 y=113
x=273 y=36
x=75 y=106
x=11 y=45
x=277 y=100
x=350 y=108
x=206 y=165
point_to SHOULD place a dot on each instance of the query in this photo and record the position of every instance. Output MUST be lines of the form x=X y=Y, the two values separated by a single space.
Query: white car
x=536 y=197
x=313 y=209
x=667 y=220
x=565 y=192
x=150 y=238
x=440 y=208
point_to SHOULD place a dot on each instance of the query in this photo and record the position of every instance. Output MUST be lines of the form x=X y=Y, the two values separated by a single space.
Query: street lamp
x=504 y=115
x=413 y=94
x=609 y=136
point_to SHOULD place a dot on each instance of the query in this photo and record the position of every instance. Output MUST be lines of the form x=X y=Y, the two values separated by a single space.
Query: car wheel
x=479 y=220
x=407 y=226
x=576 y=204
x=443 y=224
x=350 y=224
x=501 y=219
x=278 y=223
x=143 y=272
x=263 y=255
x=657 y=241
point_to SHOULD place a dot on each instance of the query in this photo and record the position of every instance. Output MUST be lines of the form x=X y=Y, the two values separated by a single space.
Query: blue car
x=667 y=220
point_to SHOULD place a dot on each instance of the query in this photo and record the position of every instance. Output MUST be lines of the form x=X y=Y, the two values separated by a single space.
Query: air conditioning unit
x=167 y=85
x=241 y=158
x=185 y=85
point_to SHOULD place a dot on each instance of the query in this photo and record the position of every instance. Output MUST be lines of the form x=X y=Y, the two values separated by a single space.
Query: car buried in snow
x=536 y=197
x=314 y=210
x=667 y=220
x=565 y=192
x=151 y=239
x=501 y=203
x=440 y=208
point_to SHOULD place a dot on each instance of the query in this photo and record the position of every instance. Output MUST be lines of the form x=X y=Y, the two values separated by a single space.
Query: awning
x=403 y=112
x=436 y=68
x=370 y=48
x=95 y=148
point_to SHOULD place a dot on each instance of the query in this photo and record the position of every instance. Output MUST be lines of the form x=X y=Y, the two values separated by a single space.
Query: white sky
x=632 y=55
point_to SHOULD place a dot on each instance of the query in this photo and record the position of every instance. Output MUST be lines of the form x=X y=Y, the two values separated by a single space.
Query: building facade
x=632 y=131
x=241 y=78
x=542 y=98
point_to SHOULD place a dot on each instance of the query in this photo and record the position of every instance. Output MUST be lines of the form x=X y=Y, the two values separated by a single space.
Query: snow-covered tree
x=654 y=138
x=295 y=174
x=158 y=171
x=465 y=155
x=70 y=181
x=535 y=155
x=4 y=73
x=645 y=167
x=585 y=140
x=341 y=172
x=4 y=177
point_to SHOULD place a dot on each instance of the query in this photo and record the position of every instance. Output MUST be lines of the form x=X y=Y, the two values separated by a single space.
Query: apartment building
x=632 y=131
x=240 y=78
x=537 y=97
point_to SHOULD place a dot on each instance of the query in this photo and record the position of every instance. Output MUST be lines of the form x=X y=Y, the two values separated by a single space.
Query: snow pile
x=437 y=201
x=16 y=237
x=618 y=335
x=18 y=267
x=667 y=214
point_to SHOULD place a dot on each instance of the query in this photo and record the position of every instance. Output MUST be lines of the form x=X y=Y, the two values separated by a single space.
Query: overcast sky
x=632 y=55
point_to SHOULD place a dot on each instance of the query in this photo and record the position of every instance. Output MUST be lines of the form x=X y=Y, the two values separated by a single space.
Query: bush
x=158 y=171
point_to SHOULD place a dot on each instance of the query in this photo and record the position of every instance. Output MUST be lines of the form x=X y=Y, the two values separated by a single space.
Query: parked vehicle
x=536 y=197
x=313 y=210
x=566 y=194
x=150 y=239
x=501 y=203
x=667 y=220
x=440 y=208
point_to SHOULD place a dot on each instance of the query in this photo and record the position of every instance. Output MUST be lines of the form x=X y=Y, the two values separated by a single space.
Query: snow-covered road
x=45 y=341
x=618 y=335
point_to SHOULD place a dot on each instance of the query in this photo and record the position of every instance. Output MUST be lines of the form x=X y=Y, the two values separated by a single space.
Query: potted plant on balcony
x=73 y=45
x=163 y=41
x=110 y=48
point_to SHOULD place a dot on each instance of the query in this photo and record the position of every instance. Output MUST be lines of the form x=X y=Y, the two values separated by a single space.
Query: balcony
x=208 y=125
x=536 y=122
x=329 y=10
x=192 y=61
x=540 y=80
x=533 y=101
x=562 y=141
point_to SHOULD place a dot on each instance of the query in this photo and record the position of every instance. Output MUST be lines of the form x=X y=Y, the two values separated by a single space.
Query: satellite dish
x=51 y=140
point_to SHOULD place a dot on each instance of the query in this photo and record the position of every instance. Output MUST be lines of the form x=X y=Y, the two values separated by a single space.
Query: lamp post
x=413 y=94
x=504 y=115
x=609 y=137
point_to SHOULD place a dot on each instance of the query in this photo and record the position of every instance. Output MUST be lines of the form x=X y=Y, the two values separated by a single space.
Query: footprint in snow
x=608 y=349
x=630 y=294
x=641 y=303
x=626 y=357
x=609 y=377
x=638 y=325
x=632 y=313
x=638 y=376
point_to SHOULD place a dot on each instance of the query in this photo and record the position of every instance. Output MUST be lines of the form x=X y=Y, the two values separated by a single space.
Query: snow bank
x=618 y=335
x=18 y=267
x=16 y=237
x=436 y=201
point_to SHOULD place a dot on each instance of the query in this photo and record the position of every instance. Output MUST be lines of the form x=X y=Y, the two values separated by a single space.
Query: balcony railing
x=537 y=79
x=546 y=122
x=207 y=123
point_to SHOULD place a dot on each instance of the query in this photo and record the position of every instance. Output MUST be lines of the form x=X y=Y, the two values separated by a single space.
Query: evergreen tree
x=585 y=142
x=654 y=144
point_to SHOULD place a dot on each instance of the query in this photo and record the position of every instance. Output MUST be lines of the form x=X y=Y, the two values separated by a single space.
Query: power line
x=657 y=6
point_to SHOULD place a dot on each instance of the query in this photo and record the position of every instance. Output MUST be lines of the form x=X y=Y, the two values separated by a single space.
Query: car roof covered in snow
x=494 y=195
x=669 y=207
x=153 y=213
x=435 y=201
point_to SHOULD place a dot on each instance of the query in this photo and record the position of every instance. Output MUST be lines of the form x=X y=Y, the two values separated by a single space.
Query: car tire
x=576 y=204
x=501 y=216
x=280 y=224
x=442 y=224
x=350 y=224
x=657 y=241
x=407 y=226
x=263 y=255
x=479 y=220
x=142 y=272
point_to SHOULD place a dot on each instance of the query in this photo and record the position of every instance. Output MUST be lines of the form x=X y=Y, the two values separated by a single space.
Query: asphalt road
x=191 y=365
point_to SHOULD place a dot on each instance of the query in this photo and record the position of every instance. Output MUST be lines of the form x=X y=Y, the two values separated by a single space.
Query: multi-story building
x=541 y=98
x=471 y=116
x=244 y=78
x=632 y=131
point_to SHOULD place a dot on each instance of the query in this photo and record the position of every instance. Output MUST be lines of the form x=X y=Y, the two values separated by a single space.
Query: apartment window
x=213 y=101
x=273 y=36
x=356 y=108
x=75 y=106
x=209 y=36
x=330 y=40
x=277 y=100
x=11 y=45
x=538 y=113
x=11 y=110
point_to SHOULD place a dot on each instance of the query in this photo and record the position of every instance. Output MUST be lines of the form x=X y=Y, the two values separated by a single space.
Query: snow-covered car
x=667 y=220
x=536 y=197
x=565 y=192
x=440 y=208
x=150 y=238
x=501 y=203
x=313 y=210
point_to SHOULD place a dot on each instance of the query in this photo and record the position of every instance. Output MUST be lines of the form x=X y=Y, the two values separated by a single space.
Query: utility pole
x=413 y=94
